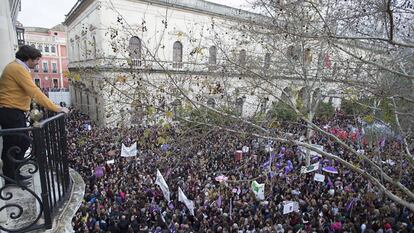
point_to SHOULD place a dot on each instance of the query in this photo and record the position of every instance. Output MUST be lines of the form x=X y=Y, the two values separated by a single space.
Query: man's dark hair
x=27 y=52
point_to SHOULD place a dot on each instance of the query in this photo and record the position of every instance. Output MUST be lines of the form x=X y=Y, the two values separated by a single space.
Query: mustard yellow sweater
x=17 y=89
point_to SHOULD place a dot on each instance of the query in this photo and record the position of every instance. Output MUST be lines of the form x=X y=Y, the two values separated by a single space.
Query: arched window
x=212 y=60
x=78 y=53
x=211 y=102
x=242 y=57
x=94 y=46
x=293 y=52
x=177 y=55
x=308 y=56
x=135 y=49
x=85 y=47
x=263 y=105
x=72 y=50
x=96 y=108
x=267 y=61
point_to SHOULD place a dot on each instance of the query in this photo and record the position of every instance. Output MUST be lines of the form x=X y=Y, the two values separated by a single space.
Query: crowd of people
x=121 y=196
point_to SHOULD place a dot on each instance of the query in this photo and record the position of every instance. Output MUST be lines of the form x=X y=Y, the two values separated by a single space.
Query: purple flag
x=170 y=205
x=165 y=147
x=330 y=169
x=350 y=204
x=171 y=228
x=266 y=164
x=289 y=167
x=330 y=184
x=99 y=172
x=382 y=143
x=219 y=201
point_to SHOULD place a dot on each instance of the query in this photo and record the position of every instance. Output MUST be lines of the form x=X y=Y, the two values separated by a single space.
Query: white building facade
x=127 y=55
x=9 y=10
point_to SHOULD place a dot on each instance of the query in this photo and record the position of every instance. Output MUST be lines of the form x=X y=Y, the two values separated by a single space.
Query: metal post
x=64 y=152
x=39 y=147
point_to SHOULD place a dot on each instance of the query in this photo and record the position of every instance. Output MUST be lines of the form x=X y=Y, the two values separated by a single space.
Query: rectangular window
x=54 y=67
x=96 y=109
x=36 y=68
x=53 y=49
x=55 y=83
x=37 y=82
x=45 y=67
x=46 y=48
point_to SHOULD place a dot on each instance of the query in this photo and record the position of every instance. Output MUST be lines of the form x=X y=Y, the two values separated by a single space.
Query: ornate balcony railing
x=34 y=203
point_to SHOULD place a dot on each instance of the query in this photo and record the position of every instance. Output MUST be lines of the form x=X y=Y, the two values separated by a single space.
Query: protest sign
x=258 y=190
x=129 y=151
x=319 y=177
x=310 y=168
x=290 y=206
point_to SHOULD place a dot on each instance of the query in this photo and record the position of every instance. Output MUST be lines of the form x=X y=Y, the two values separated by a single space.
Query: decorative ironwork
x=47 y=159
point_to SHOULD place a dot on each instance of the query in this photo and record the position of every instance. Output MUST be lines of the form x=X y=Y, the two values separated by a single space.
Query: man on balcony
x=16 y=91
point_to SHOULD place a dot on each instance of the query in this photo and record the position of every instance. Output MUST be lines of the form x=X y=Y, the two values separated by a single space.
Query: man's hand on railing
x=64 y=109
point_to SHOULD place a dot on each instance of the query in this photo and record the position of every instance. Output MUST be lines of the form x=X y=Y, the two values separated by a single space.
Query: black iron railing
x=46 y=161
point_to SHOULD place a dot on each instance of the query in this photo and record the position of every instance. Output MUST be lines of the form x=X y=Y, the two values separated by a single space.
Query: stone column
x=8 y=41
x=8 y=37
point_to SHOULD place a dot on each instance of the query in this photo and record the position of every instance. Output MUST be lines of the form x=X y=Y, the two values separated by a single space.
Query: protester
x=126 y=198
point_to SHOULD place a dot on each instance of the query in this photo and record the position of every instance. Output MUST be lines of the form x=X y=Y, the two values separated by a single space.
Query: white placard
x=129 y=151
x=290 y=206
x=319 y=177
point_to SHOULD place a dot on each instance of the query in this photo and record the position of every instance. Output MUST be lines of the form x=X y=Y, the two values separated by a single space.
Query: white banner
x=189 y=203
x=129 y=151
x=112 y=161
x=319 y=177
x=290 y=206
x=163 y=185
x=245 y=149
x=258 y=190
x=310 y=168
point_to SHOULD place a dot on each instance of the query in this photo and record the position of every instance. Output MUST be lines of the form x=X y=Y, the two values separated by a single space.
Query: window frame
x=55 y=80
x=177 y=55
x=47 y=66
x=242 y=57
x=135 y=50
x=54 y=68
x=212 y=59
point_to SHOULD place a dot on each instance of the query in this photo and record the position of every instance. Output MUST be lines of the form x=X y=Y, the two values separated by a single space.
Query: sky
x=48 y=13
